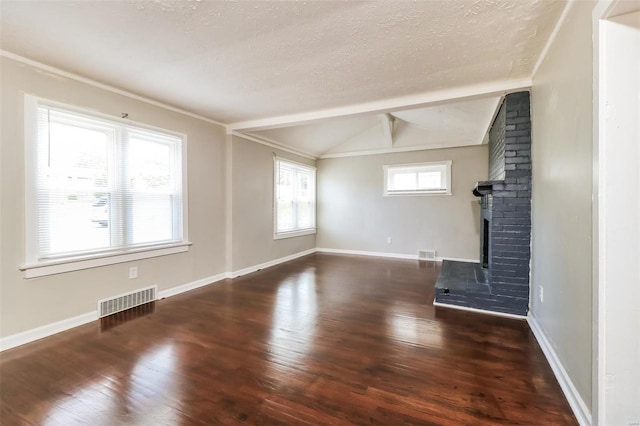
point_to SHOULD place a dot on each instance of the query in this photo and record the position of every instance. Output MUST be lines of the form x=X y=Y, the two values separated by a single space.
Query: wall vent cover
x=427 y=254
x=126 y=301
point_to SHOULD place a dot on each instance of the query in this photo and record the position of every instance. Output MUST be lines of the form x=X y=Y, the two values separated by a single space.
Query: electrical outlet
x=541 y=294
x=133 y=272
x=388 y=240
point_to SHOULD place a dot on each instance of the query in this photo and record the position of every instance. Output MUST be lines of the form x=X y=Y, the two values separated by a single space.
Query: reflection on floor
x=118 y=318
x=322 y=340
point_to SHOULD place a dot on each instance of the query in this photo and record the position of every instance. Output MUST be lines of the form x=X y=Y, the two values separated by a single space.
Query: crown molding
x=552 y=37
x=103 y=86
x=273 y=144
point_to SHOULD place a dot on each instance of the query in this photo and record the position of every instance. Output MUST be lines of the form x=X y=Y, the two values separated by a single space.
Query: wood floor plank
x=325 y=339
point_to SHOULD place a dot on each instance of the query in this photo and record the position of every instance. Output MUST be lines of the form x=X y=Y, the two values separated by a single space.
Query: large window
x=295 y=199
x=418 y=179
x=98 y=187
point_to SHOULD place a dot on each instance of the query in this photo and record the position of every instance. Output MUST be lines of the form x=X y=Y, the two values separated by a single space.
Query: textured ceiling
x=248 y=60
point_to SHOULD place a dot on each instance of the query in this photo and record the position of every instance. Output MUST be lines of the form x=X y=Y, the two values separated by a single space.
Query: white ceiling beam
x=387 y=121
x=388 y=105
x=273 y=144
x=392 y=150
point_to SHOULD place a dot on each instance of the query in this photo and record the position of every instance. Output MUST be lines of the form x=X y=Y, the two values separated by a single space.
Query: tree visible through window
x=295 y=198
x=102 y=186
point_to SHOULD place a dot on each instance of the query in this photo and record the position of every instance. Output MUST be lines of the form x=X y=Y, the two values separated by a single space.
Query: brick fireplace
x=505 y=219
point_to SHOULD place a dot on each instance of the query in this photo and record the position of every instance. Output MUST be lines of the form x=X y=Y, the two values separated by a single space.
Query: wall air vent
x=126 y=301
x=426 y=255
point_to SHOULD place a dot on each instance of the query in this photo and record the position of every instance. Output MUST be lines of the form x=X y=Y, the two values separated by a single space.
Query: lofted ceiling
x=439 y=126
x=277 y=63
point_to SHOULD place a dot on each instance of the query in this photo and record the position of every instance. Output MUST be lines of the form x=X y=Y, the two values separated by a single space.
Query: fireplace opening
x=485 y=243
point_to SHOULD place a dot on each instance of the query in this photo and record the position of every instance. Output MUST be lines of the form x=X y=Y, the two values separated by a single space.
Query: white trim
x=578 y=406
x=392 y=150
x=368 y=253
x=496 y=110
x=277 y=144
x=479 y=311
x=47 y=330
x=415 y=193
x=192 y=285
x=598 y=353
x=391 y=255
x=94 y=83
x=292 y=234
x=388 y=105
x=457 y=259
x=273 y=144
x=30 y=180
x=270 y=263
x=35 y=267
x=552 y=37
x=34 y=101
x=421 y=192
x=41 y=269
x=28 y=336
x=613 y=361
x=228 y=197
x=302 y=168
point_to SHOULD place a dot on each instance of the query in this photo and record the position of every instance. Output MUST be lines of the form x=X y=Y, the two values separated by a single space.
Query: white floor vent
x=427 y=254
x=126 y=301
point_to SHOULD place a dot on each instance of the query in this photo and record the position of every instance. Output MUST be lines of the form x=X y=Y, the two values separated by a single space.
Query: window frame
x=418 y=192
x=298 y=231
x=35 y=267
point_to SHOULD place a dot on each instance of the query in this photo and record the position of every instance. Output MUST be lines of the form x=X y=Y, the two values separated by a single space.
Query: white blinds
x=103 y=186
x=295 y=196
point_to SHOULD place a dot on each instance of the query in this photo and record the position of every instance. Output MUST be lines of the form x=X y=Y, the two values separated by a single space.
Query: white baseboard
x=46 y=330
x=458 y=259
x=369 y=253
x=192 y=285
x=57 y=327
x=390 y=255
x=479 y=311
x=274 y=262
x=576 y=402
x=38 y=333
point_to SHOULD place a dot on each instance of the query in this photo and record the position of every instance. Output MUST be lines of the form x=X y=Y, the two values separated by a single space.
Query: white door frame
x=616 y=219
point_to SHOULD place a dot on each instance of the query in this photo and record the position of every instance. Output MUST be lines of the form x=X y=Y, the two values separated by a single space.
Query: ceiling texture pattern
x=241 y=61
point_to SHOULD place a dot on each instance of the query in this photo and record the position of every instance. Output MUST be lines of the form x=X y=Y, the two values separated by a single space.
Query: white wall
x=618 y=333
x=354 y=215
x=252 y=211
x=561 y=258
x=26 y=304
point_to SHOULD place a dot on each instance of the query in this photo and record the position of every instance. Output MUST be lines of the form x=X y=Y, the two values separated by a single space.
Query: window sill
x=59 y=266
x=291 y=234
x=416 y=193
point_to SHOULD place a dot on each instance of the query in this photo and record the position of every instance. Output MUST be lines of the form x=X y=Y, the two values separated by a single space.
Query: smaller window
x=418 y=179
x=295 y=199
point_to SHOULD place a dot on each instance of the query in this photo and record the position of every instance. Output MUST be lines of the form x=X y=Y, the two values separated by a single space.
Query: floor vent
x=427 y=254
x=126 y=301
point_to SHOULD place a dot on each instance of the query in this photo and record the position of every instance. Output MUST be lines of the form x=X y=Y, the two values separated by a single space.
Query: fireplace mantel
x=485 y=187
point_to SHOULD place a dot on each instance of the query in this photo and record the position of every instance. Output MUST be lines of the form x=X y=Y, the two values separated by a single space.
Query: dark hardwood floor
x=325 y=339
